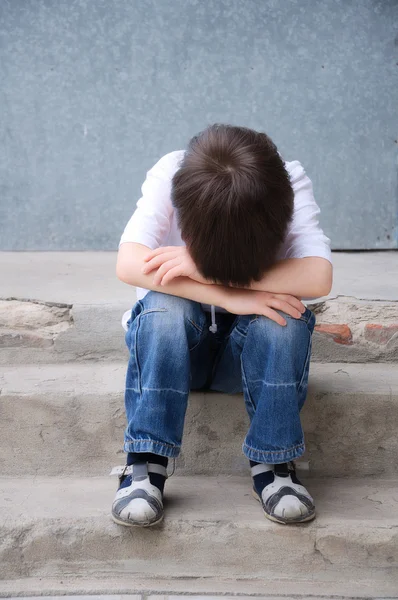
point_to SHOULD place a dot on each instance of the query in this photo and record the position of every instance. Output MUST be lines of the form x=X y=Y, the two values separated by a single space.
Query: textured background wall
x=93 y=92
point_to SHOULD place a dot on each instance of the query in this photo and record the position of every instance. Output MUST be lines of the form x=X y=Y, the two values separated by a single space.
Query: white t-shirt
x=154 y=221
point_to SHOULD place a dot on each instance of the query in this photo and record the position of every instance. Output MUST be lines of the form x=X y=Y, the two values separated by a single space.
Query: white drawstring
x=213 y=326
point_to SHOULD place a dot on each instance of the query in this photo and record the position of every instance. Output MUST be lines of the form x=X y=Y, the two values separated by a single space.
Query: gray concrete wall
x=93 y=92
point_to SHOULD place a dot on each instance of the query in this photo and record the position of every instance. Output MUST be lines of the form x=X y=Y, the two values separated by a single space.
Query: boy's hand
x=248 y=302
x=171 y=262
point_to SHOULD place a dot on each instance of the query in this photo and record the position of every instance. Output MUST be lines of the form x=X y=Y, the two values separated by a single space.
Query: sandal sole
x=132 y=524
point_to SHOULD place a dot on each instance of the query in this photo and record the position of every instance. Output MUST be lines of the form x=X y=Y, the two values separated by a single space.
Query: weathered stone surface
x=93 y=332
x=25 y=339
x=27 y=324
x=363 y=341
x=72 y=418
x=213 y=528
x=381 y=334
x=347 y=330
x=20 y=314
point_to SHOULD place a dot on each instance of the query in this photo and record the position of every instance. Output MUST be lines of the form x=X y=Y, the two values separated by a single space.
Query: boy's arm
x=130 y=263
x=129 y=266
x=309 y=277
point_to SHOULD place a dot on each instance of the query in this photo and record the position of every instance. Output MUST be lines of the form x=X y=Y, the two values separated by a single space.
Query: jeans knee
x=171 y=309
x=296 y=331
x=168 y=321
x=280 y=353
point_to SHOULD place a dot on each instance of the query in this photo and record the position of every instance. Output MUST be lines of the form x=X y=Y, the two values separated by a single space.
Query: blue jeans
x=172 y=352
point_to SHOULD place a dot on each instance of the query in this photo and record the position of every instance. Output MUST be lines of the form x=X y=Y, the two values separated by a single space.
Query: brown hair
x=234 y=200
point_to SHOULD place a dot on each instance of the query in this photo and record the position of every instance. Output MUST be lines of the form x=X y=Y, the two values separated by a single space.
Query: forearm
x=309 y=277
x=129 y=270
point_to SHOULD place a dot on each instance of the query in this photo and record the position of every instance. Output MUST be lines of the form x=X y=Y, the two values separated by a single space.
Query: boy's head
x=234 y=201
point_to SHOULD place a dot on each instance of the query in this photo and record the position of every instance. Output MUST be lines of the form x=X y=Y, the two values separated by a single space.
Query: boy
x=224 y=224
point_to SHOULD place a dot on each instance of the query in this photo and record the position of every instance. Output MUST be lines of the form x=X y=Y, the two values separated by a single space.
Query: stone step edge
x=108 y=377
x=370 y=585
x=358 y=585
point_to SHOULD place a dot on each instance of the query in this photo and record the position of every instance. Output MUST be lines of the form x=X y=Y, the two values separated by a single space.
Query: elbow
x=123 y=273
x=321 y=291
x=120 y=274
x=129 y=263
x=319 y=278
x=315 y=292
x=323 y=285
x=125 y=276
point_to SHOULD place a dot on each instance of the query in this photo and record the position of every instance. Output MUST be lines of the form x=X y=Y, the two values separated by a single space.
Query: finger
x=160 y=250
x=161 y=272
x=285 y=307
x=157 y=261
x=172 y=274
x=274 y=316
x=293 y=301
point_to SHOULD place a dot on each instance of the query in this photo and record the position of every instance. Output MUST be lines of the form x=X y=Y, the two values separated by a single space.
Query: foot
x=138 y=503
x=283 y=497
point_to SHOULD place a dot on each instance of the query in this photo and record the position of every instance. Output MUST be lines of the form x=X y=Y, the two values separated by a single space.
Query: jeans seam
x=307 y=360
x=134 y=440
x=197 y=327
x=136 y=353
x=196 y=345
x=198 y=330
x=131 y=319
x=312 y=315
x=308 y=357
x=274 y=451
x=199 y=340
x=244 y=379
x=151 y=310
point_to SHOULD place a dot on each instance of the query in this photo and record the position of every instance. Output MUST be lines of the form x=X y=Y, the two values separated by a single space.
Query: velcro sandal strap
x=152 y=468
x=261 y=468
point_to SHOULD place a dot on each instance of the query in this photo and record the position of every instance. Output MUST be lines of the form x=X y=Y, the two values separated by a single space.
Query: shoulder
x=167 y=166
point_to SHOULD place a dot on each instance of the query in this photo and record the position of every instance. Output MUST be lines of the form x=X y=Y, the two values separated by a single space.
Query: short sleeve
x=305 y=236
x=150 y=223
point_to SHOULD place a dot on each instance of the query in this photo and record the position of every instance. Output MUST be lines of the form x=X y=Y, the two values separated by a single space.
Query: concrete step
x=195 y=588
x=154 y=595
x=62 y=307
x=60 y=528
x=153 y=589
x=69 y=419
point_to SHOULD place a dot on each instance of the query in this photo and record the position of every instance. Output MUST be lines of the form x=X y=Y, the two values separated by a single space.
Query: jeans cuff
x=152 y=446
x=273 y=457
